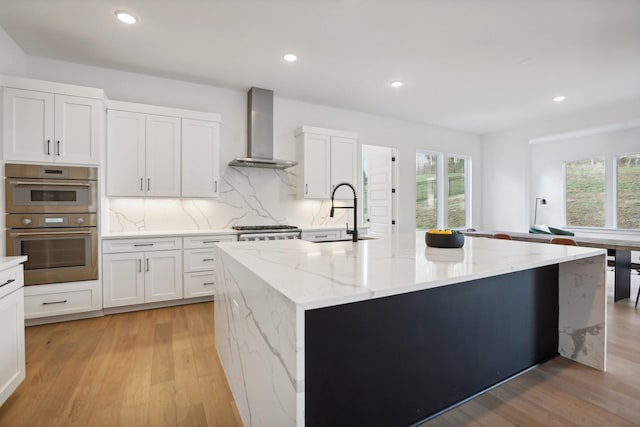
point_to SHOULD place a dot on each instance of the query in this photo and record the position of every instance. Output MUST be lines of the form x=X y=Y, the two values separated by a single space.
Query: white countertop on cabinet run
x=164 y=233
x=11 y=261
x=315 y=275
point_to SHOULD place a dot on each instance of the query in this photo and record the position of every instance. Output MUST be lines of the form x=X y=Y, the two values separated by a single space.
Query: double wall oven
x=52 y=219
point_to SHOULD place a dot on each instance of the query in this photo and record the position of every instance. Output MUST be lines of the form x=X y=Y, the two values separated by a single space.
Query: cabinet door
x=162 y=153
x=125 y=153
x=200 y=158
x=123 y=279
x=316 y=166
x=199 y=284
x=12 y=353
x=163 y=275
x=28 y=129
x=343 y=165
x=77 y=129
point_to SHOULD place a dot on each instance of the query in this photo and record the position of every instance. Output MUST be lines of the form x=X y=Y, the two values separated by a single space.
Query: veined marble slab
x=264 y=288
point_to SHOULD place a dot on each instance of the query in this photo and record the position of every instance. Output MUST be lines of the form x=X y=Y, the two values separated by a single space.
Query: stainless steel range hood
x=260 y=133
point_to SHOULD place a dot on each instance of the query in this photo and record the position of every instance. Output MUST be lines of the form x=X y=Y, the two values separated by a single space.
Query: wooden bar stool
x=563 y=241
x=502 y=236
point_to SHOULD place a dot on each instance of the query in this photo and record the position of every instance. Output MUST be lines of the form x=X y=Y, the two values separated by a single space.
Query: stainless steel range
x=267 y=232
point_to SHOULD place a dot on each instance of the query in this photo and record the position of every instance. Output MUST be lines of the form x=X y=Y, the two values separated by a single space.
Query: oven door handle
x=51 y=233
x=51 y=183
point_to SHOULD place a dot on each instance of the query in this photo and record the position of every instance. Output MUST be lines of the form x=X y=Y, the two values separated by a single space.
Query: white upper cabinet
x=126 y=134
x=161 y=152
x=162 y=155
x=47 y=127
x=327 y=157
x=200 y=158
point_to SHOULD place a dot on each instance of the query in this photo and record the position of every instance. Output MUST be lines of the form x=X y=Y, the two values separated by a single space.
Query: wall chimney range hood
x=260 y=133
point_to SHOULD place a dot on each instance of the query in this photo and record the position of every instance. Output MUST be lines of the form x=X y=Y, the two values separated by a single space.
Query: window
x=628 y=191
x=442 y=191
x=585 y=185
x=426 y=190
x=456 y=194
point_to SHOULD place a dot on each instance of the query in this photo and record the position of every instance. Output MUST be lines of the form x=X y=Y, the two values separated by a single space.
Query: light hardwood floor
x=147 y=368
x=160 y=368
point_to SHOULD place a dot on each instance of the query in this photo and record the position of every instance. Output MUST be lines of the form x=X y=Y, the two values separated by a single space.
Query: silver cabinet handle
x=208 y=283
x=207 y=259
x=142 y=244
x=55 y=302
x=58 y=142
x=7 y=282
x=148 y=184
x=141 y=189
x=139 y=265
x=306 y=189
x=210 y=241
x=147 y=264
x=215 y=186
x=48 y=147
x=323 y=236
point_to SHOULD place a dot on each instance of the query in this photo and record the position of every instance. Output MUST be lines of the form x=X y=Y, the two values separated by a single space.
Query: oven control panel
x=51 y=220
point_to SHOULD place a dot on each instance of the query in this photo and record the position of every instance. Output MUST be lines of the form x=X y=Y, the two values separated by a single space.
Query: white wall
x=258 y=195
x=515 y=172
x=13 y=60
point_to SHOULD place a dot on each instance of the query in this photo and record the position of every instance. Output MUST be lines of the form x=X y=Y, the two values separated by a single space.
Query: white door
x=28 y=126
x=317 y=179
x=343 y=166
x=377 y=166
x=123 y=279
x=200 y=158
x=162 y=153
x=126 y=134
x=163 y=275
x=77 y=129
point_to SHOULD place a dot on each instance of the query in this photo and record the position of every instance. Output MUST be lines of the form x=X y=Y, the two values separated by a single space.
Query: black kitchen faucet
x=354 y=232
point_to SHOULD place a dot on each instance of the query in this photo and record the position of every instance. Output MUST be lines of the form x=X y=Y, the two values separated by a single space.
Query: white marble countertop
x=164 y=233
x=174 y=233
x=11 y=261
x=315 y=275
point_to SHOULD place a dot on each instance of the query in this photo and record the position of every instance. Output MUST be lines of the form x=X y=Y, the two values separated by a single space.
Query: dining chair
x=563 y=241
x=502 y=236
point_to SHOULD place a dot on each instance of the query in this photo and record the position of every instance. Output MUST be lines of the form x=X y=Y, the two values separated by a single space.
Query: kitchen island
x=391 y=332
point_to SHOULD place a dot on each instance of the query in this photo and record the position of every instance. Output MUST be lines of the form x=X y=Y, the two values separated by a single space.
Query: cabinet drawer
x=141 y=245
x=58 y=302
x=209 y=241
x=12 y=279
x=321 y=236
x=199 y=260
x=199 y=284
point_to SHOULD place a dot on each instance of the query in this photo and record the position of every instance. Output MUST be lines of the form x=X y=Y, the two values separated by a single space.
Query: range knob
x=80 y=220
x=26 y=221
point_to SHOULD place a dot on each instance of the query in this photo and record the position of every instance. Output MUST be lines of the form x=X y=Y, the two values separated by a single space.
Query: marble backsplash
x=247 y=197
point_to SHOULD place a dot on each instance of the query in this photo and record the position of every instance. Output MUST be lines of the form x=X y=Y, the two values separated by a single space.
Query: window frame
x=442 y=187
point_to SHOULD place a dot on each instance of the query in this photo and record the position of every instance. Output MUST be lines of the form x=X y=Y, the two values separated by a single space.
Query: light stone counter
x=265 y=289
x=164 y=233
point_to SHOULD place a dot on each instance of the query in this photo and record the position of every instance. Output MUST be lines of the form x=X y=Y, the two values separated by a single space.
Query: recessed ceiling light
x=559 y=98
x=125 y=17
x=290 y=57
x=397 y=83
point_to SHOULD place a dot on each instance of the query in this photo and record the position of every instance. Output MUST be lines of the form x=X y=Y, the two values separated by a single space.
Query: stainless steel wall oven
x=52 y=219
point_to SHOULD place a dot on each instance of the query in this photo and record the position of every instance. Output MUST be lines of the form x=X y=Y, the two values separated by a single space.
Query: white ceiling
x=472 y=65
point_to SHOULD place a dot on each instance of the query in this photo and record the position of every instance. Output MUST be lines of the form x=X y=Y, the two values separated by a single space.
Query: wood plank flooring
x=147 y=368
x=160 y=368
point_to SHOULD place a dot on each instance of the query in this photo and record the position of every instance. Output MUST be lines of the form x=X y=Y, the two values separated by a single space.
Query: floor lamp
x=543 y=202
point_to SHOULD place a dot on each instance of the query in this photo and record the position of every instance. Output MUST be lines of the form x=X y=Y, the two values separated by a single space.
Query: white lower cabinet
x=58 y=299
x=12 y=353
x=200 y=263
x=138 y=271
